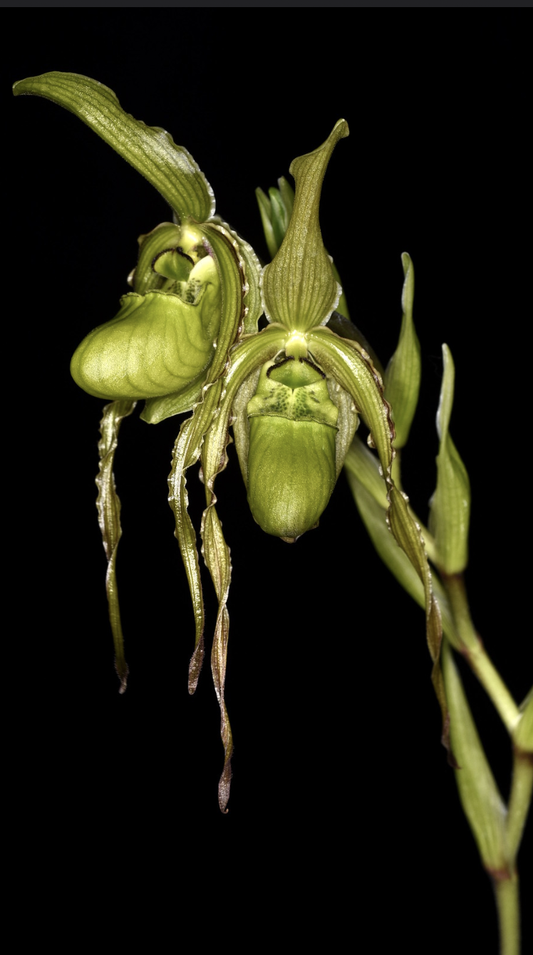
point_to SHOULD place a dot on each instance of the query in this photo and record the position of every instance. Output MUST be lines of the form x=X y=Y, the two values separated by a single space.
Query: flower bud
x=291 y=459
x=402 y=378
x=449 y=517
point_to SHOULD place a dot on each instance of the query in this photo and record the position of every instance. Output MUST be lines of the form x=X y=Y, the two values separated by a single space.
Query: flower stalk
x=496 y=826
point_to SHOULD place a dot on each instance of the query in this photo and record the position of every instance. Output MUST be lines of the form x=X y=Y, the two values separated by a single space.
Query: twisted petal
x=190 y=439
x=347 y=362
x=108 y=504
x=370 y=493
x=217 y=557
x=407 y=534
x=186 y=453
x=207 y=433
x=251 y=274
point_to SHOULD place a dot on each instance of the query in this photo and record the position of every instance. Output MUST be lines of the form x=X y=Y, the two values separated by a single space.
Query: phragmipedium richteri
x=186 y=339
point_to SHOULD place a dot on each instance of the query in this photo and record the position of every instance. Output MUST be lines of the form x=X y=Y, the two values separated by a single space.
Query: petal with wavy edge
x=217 y=557
x=350 y=366
x=407 y=533
x=363 y=468
x=372 y=506
x=192 y=433
x=346 y=362
x=186 y=453
x=251 y=274
x=248 y=355
x=206 y=434
x=108 y=505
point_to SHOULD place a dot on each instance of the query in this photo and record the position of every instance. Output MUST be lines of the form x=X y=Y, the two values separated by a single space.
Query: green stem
x=491 y=680
x=475 y=654
x=508 y=906
x=519 y=800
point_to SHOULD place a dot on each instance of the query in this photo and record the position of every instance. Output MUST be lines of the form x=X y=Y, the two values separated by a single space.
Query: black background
x=343 y=814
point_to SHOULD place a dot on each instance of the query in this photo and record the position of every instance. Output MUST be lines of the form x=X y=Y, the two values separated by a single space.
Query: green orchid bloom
x=186 y=339
x=293 y=394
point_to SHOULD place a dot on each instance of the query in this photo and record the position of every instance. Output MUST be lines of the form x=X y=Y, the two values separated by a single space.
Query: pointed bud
x=402 y=378
x=450 y=505
x=275 y=209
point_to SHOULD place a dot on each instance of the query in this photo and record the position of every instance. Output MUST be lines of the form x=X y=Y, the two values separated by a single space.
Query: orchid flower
x=186 y=339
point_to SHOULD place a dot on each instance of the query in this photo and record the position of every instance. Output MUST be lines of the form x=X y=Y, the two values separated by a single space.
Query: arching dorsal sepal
x=300 y=290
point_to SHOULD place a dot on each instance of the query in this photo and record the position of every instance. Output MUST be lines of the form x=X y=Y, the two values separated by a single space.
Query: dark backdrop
x=341 y=789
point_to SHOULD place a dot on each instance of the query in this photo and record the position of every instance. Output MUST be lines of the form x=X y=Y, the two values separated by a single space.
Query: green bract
x=402 y=377
x=450 y=505
x=186 y=339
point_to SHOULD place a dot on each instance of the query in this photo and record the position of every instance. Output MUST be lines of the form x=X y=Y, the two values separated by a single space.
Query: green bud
x=291 y=459
x=450 y=505
x=276 y=210
x=402 y=377
x=160 y=342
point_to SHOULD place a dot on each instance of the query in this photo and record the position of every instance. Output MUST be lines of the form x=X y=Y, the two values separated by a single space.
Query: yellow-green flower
x=186 y=339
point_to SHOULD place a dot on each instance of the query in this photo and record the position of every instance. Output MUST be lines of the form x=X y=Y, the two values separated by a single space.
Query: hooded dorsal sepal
x=300 y=290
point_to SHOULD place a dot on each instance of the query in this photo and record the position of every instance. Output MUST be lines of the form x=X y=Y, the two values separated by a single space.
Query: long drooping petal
x=346 y=362
x=217 y=557
x=190 y=439
x=245 y=357
x=186 y=453
x=108 y=504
